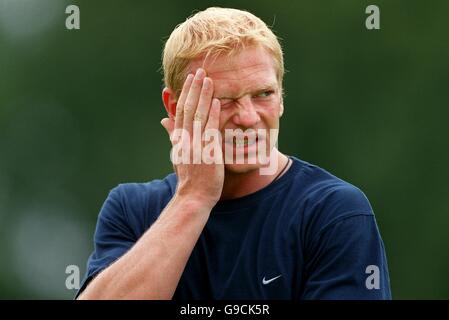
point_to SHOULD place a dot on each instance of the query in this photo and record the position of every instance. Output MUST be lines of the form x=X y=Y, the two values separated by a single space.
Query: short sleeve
x=347 y=260
x=113 y=237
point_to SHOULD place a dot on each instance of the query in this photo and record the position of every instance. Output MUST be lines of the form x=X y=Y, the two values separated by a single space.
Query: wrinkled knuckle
x=188 y=108
x=196 y=84
x=198 y=117
x=207 y=90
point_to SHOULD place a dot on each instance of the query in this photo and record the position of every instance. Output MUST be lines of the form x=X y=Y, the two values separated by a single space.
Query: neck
x=237 y=184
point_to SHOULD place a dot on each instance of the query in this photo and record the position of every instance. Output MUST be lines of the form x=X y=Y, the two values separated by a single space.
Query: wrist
x=194 y=202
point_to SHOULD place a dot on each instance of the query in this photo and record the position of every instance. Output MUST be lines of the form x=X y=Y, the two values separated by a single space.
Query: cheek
x=271 y=112
x=225 y=119
x=271 y=120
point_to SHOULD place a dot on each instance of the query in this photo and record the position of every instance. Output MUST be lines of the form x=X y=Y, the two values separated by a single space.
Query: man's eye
x=225 y=102
x=264 y=94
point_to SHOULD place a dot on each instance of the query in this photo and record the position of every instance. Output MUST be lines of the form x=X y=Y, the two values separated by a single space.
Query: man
x=226 y=229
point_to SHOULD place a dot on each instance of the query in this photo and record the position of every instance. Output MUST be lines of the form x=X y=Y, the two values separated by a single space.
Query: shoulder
x=325 y=198
x=139 y=204
x=136 y=194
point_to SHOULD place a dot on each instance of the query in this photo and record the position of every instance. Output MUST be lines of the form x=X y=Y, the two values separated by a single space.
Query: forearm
x=151 y=269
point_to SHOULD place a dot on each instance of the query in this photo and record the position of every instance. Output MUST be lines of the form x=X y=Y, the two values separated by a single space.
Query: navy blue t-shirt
x=307 y=235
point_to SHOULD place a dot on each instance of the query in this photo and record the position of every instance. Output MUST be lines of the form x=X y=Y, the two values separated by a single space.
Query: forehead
x=249 y=69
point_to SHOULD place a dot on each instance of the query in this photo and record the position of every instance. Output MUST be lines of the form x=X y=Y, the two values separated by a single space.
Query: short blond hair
x=216 y=31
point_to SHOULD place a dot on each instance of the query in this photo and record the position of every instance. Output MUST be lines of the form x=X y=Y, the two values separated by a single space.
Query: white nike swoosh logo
x=264 y=282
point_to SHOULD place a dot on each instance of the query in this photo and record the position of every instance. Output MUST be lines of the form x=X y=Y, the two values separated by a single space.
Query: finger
x=192 y=100
x=211 y=130
x=202 y=111
x=168 y=125
x=214 y=115
x=182 y=98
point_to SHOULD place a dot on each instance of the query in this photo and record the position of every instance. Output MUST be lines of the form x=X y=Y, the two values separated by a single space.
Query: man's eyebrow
x=272 y=86
x=255 y=90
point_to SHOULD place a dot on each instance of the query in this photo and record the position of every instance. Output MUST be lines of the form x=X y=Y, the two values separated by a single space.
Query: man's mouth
x=242 y=142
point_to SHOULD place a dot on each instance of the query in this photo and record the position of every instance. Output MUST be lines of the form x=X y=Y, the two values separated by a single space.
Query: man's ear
x=281 y=108
x=168 y=98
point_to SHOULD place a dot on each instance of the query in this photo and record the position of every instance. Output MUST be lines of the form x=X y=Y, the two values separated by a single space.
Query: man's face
x=250 y=96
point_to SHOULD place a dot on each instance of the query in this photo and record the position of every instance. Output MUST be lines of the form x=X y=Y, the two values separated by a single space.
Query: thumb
x=168 y=125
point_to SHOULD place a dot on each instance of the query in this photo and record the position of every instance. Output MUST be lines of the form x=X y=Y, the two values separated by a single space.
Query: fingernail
x=206 y=83
x=200 y=73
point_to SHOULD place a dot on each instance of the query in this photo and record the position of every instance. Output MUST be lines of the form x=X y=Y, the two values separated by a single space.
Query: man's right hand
x=152 y=268
x=202 y=182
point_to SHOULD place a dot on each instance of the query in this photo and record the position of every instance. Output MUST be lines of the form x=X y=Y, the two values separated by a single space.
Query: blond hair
x=216 y=31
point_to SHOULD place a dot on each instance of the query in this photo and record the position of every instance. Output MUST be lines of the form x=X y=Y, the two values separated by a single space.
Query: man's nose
x=246 y=114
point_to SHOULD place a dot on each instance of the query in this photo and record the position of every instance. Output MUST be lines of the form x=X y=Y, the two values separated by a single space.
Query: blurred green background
x=80 y=112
